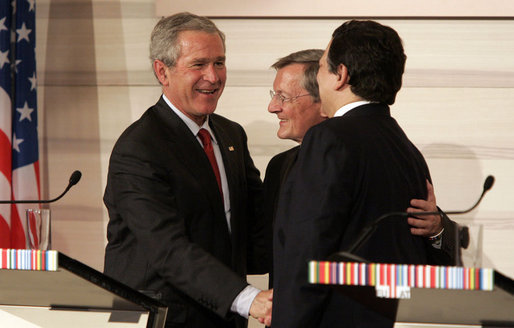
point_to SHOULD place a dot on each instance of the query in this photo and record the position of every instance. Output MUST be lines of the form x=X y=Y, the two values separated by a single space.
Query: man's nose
x=274 y=106
x=211 y=74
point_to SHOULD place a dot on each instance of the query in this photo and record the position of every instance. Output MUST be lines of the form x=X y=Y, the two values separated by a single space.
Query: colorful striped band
x=403 y=275
x=28 y=259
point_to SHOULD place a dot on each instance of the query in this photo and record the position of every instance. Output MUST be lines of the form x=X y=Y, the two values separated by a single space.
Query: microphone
x=488 y=184
x=74 y=179
x=369 y=229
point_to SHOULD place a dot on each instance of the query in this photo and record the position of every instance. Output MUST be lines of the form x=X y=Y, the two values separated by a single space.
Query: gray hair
x=164 y=45
x=310 y=58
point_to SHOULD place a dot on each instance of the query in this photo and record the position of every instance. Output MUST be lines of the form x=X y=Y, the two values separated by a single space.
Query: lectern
x=60 y=284
x=423 y=293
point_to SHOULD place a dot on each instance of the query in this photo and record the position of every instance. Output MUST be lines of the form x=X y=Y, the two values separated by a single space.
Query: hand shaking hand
x=261 y=307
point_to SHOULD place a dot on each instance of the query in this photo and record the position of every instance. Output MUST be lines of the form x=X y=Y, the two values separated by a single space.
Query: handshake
x=261 y=307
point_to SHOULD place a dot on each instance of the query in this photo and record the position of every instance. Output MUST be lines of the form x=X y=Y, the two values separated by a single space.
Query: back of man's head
x=310 y=58
x=374 y=57
x=163 y=42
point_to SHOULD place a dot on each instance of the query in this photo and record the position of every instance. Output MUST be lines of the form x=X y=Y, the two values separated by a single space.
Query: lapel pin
x=231 y=148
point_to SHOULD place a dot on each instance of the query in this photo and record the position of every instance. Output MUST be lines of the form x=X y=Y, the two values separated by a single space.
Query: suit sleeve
x=144 y=193
x=447 y=254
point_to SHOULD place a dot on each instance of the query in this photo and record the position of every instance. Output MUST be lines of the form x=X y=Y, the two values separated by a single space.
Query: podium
x=423 y=294
x=58 y=285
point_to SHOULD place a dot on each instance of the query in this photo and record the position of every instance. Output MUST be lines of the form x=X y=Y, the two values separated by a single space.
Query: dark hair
x=310 y=59
x=163 y=41
x=374 y=56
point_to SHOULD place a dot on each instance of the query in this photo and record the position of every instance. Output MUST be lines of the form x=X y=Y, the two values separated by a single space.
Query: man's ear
x=342 y=77
x=160 y=69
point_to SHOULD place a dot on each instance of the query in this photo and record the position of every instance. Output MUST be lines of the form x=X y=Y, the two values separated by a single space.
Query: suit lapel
x=289 y=161
x=191 y=154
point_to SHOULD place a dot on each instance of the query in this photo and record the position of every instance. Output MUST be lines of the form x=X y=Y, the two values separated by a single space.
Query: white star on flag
x=19 y=164
x=31 y=4
x=16 y=65
x=25 y=112
x=33 y=81
x=16 y=143
x=23 y=33
x=2 y=25
x=4 y=58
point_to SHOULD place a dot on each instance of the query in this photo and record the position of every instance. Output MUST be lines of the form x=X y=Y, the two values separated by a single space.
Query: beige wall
x=330 y=8
x=457 y=105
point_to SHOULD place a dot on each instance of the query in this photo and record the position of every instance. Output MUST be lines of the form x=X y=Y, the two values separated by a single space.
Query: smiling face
x=196 y=82
x=298 y=115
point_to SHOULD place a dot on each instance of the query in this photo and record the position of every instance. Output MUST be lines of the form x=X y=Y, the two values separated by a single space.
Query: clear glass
x=472 y=256
x=39 y=229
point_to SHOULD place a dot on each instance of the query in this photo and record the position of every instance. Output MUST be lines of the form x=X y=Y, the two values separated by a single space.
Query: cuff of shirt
x=243 y=301
x=437 y=240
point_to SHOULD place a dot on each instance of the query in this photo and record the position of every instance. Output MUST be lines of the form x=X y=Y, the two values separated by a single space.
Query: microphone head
x=488 y=183
x=75 y=177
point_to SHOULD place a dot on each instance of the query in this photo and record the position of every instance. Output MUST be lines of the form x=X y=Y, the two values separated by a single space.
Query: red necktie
x=205 y=137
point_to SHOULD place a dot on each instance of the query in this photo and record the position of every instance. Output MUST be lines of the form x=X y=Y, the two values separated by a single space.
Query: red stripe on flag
x=5 y=185
x=17 y=231
x=5 y=155
x=5 y=234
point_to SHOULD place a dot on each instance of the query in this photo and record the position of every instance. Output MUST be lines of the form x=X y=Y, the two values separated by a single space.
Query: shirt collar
x=348 y=107
x=189 y=122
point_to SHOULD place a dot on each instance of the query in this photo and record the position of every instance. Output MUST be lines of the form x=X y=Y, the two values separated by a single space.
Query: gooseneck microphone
x=74 y=179
x=488 y=184
x=370 y=228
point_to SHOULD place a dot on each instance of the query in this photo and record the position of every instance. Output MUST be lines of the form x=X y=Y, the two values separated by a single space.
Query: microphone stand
x=74 y=179
x=366 y=233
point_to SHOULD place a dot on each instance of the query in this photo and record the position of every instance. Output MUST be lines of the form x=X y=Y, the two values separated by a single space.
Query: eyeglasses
x=283 y=99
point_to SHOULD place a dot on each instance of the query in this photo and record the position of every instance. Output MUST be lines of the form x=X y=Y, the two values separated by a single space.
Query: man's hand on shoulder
x=426 y=225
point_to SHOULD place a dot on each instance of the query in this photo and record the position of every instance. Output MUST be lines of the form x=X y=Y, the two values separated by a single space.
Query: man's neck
x=344 y=100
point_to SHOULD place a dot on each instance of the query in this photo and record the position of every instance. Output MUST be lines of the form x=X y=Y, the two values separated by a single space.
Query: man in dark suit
x=182 y=190
x=296 y=102
x=350 y=170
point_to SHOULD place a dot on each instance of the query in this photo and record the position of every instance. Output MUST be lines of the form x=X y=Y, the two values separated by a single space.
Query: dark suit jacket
x=167 y=233
x=350 y=170
x=276 y=173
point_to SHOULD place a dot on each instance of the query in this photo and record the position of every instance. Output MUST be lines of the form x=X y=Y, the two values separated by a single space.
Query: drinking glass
x=38 y=231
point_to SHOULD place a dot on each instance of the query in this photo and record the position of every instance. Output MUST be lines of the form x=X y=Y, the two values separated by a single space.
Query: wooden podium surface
x=73 y=286
x=493 y=308
x=437 y=295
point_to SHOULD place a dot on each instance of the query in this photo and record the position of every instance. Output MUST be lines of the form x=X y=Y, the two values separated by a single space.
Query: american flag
x=19 y=155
